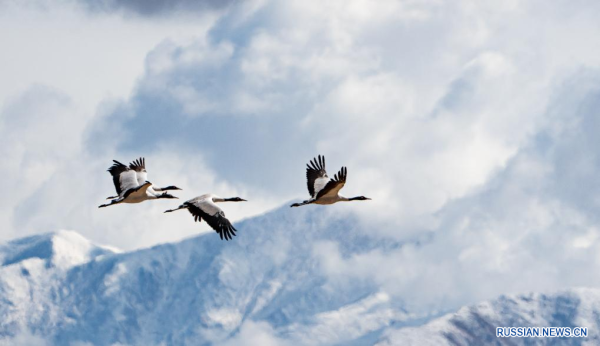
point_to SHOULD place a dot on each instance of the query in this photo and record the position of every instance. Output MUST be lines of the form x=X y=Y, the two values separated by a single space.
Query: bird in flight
x=323 y=190
x=132 y=185
x=205 y=207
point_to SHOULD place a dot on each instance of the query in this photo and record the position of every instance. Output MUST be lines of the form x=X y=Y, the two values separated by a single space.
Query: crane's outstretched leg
x=183 y=206
x=301 y=204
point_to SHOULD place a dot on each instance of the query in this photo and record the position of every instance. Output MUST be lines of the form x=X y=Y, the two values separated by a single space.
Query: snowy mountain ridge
x=198 y=291
x=32 y=270
x=62 y=249
x=265 y=286
x=476 y=325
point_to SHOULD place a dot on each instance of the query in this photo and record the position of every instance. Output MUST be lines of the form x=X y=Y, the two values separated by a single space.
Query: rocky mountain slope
x=266 y=286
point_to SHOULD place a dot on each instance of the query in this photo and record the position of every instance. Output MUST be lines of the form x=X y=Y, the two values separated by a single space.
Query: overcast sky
x=475 y=121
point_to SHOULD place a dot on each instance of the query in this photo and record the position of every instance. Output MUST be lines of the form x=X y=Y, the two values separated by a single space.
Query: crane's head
x=170 y=188
x=235 y=199
x=360 y=198
x=166 y=195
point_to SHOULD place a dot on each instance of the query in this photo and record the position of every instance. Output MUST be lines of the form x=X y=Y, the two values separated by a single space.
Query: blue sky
x=473 y=121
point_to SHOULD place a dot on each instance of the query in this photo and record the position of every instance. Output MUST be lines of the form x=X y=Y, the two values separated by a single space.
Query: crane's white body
x=207 y=202
x=132 y=185
x=204 y=207
x=135 y=180
x=323 y=190
x=141 y=195
x=331 y=199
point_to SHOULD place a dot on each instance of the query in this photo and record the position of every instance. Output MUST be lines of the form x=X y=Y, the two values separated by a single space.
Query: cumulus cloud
x=57 y=87
x=255 y=333
x=532 y=227
x=473 y=126
x=25 y=338
x=449 y=140
x=398 y=93
x=154 y=8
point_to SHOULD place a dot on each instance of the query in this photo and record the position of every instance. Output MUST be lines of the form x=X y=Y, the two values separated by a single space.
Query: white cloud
x=58 y=72
x=24 y=338
x=532 y=227
x=87 y=57
x=424 y=101
x=352 y=93
x=81 y=343
x=473 y=126
x=255 y=333
x=347 y=323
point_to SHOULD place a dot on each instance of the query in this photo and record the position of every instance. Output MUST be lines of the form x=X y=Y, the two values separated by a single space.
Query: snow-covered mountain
x=476 y=325
x=32 y=278
x=199 y=291
x=266 y=286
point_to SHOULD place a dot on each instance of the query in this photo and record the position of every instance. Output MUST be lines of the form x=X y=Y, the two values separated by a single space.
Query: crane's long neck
x=217 y=199
x=359 y=198
x=166 y=188
x=151 y=193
